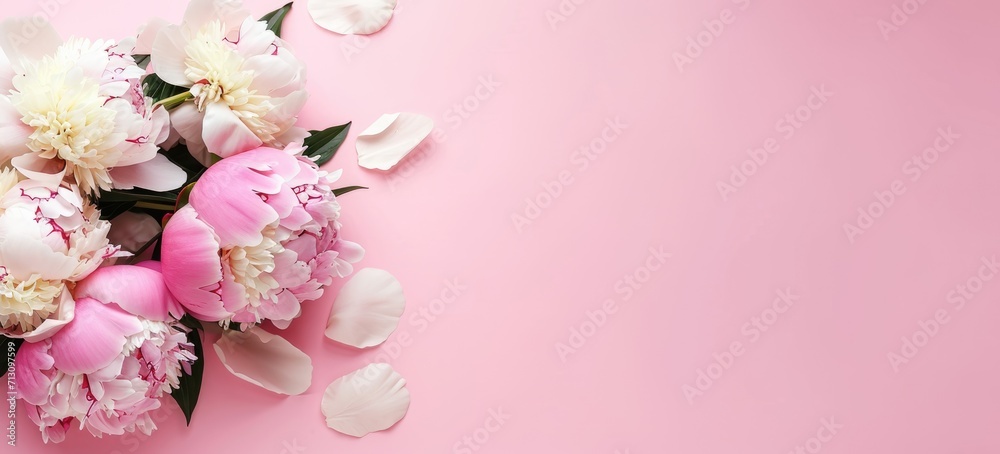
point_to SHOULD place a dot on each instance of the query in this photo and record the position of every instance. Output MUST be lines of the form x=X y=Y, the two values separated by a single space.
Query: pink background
x=446 y=214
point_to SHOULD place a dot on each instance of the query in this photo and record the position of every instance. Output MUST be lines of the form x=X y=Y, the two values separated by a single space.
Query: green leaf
x=135 y=256
x=142 y=60
x=191 y=322
x=137 y=195
x=156 y=88
x=7 y=341
x=324 y=144
x=187 y=392
x=110 y=211
x=342 y=191
x=184 y=196
x=276 y=17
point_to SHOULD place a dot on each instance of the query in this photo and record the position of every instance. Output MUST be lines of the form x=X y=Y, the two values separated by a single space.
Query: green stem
x=155 y=206
x=174 y=101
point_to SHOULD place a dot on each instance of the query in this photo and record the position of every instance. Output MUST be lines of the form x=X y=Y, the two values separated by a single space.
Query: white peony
x=77 y=109
x=247 y=86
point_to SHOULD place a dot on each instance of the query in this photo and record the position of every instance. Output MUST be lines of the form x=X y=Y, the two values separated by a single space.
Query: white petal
x=48 y=171
x=25 y=38
x=13 y=132
x=157 y=174
x=168 y=56
x=359 y=17
x=200 y=12
x=391 y=138
x=224 y=133
x=367 y=310
x=368 y=400
x=147 y=34
x=266 y=360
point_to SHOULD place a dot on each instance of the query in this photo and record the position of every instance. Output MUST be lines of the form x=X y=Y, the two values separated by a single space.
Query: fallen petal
x=368 y=400
x=358 y=17
x=367 y=310
x=266 y=360
x=391 y=138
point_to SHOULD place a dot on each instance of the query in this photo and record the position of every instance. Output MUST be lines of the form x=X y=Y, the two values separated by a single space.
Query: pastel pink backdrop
x=447 y=215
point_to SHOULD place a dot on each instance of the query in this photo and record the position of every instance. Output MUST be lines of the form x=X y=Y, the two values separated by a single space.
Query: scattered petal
x=347 y=17
x=367 y=310
x=266 y=360
x=368 y=400
x=391 y=138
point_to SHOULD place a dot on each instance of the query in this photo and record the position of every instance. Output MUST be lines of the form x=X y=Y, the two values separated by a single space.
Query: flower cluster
x=180 y=144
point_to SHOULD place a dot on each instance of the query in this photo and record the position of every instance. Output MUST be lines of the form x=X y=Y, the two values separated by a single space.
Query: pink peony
x=247 y=86
x=107 y=369
x=260 y=236
x=49 y=238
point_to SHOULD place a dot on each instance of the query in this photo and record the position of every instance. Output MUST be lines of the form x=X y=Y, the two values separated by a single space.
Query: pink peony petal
x=265 y=360
x=368 y=400
x=229 y=195
x=191 y=264
x=139 y=290
x=367 y=310
x=94 y=338
x=32 y=385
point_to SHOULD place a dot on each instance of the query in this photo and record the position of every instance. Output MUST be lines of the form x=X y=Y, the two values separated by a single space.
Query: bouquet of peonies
x=156 y=193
